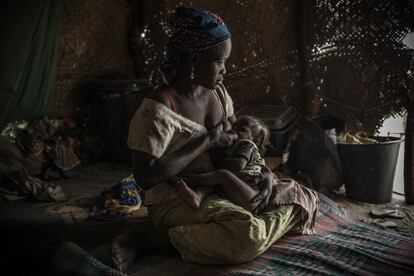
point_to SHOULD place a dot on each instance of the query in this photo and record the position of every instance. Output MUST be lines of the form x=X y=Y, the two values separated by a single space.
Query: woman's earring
x=192 y=73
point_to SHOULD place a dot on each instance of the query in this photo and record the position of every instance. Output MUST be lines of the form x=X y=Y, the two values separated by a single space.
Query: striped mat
x=342 y=247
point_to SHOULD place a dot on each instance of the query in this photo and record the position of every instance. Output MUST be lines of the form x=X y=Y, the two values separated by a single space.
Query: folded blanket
x=287 y=191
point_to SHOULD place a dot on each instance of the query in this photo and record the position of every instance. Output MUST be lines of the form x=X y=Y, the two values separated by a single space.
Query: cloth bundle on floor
x=15 y=181
x=123 y=199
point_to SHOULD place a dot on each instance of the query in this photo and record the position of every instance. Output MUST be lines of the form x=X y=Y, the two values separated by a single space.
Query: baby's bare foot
x=188 y=194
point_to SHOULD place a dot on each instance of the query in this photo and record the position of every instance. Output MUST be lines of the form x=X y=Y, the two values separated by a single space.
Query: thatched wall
x=357 y=64
x=362 y=71
x=262 y=66
x=92 y=43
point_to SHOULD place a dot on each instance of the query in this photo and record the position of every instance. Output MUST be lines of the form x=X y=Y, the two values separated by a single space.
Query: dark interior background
x=359 y=67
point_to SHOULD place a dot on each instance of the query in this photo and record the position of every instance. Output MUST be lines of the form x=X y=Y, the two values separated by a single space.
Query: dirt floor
x=361 y=211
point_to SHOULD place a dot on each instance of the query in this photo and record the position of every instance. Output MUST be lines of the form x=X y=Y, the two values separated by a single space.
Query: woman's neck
x=184 y=87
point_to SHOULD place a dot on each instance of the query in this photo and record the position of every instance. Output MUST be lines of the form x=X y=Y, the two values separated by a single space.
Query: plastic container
x=369 y=169
x=281 y=121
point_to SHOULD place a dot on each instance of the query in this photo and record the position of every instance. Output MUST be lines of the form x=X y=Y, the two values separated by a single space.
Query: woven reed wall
x=92 y=43
x=262 y=66
x=359 y=68
x=362 y=71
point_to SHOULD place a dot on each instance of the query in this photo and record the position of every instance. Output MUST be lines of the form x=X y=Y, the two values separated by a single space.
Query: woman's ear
x=194 y=57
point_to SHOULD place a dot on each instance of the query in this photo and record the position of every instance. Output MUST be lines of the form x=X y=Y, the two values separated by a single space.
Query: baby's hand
x=226 y=125
x=254 y=179
x=219 y=138
x=266 y=187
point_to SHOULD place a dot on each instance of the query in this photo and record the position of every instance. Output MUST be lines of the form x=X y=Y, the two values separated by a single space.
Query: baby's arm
x=266 y=171
x=232 y=163
x=234 y=159
x=235 y=189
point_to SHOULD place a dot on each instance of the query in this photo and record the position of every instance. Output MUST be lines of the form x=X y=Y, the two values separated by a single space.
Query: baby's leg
x=194 y=189
x=238 y=191
x=235 y=189
x=193 y=196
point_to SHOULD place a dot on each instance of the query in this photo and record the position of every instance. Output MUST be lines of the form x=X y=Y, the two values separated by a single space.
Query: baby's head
x=248 y=127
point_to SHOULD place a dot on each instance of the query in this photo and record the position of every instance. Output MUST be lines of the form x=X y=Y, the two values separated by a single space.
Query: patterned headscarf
x=195 y=30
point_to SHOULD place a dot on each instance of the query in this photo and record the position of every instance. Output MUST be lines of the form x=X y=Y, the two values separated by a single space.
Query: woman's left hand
x=266 y=187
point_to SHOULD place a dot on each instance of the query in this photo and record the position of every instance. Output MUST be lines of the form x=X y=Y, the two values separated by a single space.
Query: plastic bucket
x=369 y=169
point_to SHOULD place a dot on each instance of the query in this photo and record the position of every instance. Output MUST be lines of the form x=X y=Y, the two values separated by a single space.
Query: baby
x=238 y=168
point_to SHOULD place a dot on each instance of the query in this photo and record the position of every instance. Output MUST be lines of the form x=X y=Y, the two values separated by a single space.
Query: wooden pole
x=409 y=156
x=306 y=100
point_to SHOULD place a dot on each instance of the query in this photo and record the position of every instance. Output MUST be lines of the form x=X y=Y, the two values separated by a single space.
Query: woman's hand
x=266 y=188
x=219 y=138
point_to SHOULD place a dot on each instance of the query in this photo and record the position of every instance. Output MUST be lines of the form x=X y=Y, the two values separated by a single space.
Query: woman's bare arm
x=149 y=171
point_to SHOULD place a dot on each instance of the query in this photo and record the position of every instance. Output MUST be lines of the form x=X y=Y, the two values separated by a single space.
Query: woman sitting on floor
x=170 y=136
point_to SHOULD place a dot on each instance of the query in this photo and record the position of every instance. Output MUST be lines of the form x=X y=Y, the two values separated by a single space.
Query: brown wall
x=262 y=66
x=94 y=38
x=92 y=43
x=103 y=37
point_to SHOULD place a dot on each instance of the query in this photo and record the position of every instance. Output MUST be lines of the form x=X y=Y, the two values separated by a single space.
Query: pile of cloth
x=15 y=181
x=32 y=152
x=122 y=199
x=49 y=147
